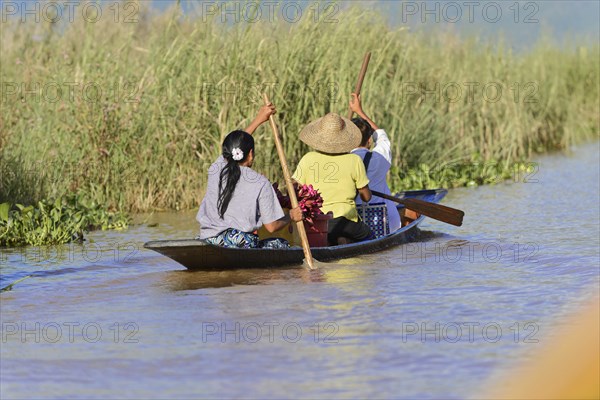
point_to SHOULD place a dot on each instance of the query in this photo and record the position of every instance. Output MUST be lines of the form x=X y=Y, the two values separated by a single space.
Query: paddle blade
x=432 y=210
x=436 y=211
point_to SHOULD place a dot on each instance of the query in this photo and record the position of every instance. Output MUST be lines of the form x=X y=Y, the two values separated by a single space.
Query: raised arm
x=380 y=138
x=263 y=116
x=357 y=108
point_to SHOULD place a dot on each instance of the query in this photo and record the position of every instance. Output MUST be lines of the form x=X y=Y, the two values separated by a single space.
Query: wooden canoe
x=199 y=256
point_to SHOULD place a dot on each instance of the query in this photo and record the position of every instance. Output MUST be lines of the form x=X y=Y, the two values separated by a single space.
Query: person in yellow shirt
x=336 y=174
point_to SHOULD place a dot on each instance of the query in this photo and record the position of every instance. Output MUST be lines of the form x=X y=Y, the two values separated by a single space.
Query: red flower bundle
x=309 y=201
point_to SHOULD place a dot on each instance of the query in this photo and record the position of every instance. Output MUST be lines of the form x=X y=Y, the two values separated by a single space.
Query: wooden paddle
x=290 y=188
x=361 y=77
x=442 y=213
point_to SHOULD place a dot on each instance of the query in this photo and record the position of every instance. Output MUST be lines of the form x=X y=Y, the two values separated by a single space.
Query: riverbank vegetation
x=47 y=223
x=128 y=115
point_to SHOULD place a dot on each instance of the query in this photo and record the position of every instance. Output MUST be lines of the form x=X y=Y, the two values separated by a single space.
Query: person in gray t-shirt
x=238 y=197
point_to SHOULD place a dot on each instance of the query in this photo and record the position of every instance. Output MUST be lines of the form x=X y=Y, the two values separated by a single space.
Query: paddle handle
x=361 y=78
x=411 y=200
x=290 y=188
x=386 y=196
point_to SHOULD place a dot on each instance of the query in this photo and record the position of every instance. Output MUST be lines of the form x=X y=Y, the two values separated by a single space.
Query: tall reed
x=151 y=101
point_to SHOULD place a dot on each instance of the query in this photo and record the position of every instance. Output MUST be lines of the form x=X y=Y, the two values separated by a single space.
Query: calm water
x=430 y=320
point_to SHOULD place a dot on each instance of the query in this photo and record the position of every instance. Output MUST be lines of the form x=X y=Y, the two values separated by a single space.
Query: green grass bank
x=128 y=115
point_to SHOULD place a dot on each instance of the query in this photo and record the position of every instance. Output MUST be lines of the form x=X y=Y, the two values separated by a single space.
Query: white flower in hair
x=237 y=153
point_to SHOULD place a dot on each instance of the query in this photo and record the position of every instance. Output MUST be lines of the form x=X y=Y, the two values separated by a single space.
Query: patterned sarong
x=234 y=238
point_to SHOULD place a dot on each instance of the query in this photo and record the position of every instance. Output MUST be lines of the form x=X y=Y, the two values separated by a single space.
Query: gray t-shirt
x=253 y=203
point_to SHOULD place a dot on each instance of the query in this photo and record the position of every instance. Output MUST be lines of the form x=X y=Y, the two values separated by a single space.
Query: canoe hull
x=199 y=256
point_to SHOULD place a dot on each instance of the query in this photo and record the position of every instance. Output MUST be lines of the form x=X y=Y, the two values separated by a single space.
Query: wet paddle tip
x=309 y=264
x=315 y=264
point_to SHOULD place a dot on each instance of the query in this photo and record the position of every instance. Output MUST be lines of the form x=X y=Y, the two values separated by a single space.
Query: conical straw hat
x=332 y=134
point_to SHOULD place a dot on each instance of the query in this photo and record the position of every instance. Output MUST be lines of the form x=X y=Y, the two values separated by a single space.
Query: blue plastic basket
x=375 y=216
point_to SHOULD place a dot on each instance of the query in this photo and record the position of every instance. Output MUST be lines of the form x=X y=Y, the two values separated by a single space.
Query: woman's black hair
x=230 y=174
x=365 y=129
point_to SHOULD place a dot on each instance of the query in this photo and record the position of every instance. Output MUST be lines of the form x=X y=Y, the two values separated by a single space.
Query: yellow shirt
x=336 y=177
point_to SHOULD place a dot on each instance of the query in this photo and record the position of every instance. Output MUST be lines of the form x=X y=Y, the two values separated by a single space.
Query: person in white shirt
x=380 y=159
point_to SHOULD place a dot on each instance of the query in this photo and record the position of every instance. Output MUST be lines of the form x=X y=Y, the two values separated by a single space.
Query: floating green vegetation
x=463 y=174
x=57 y=222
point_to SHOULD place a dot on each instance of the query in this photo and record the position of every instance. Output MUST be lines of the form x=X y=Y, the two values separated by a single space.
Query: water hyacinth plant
x=58 y=222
